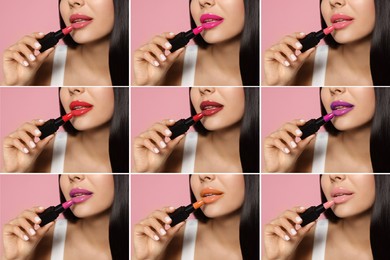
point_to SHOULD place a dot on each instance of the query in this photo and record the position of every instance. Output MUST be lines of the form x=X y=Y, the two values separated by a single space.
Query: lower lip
x=342 y=199
x=80 y=25
x=341 y=25
x=82 y=198
x=79 y=112
x=210 y=112
x=211 y=199
x=211 y=25
x=341 y=112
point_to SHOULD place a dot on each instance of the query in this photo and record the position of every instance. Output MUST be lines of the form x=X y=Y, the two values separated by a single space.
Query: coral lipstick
x=51 y=126
x=313 y=38
x=181 y=39
x=51 y=213
x=80 y=20
x=210 y=195
x=183 y=212
x=313 y=125
x=182 y=126
x=340 y=21
x=314 y=212
x=52 y=38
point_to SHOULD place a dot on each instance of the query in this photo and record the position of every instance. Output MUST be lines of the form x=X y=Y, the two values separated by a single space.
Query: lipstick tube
x=51 y=126
x=314 y=212
x=52 y=38
x=181 y=39
x=182 y=126
x=313 y=125
x=51 y=213
x=313 y=38
x=183 y=212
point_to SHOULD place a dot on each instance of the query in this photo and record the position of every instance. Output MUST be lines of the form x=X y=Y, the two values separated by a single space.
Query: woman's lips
x=340 y=108
x=341 y=21
x=79 y=20
x=210 y=21
x=340 y=195
x=79 y=195
x=210 y=107
x=210 y=195
x=79 y=107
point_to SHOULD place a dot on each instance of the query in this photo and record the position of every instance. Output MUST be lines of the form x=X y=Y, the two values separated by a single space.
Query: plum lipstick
x=313 y=125
x=181 y=39
x=51 y=213
x=313 y=38
x=182 y=126
x=313 y=213
x=183 y=212
x=52 y=38
x=51 y=126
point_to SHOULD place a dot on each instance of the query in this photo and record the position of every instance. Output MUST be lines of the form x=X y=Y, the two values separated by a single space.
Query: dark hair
x=119 y=43
x=380 y=134
x=380 y=40
x=380 y=217
x=249 y=133
x=119 y=218
x=119 y=131
x=249 y=219
x=249 y=47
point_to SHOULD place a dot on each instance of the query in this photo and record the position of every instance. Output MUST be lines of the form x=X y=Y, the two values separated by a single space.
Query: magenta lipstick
x=51 y=213
x=52 y=125
x=182 y=126
x=313 y=38
x=183 y=212
x=52 y=38
x=313 y=213
x=182 y=39
x=313 y=125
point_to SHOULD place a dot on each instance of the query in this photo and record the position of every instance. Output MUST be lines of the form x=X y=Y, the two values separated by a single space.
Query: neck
x=95 y=230
x=226 y=55
x=226 y=142
x=357 y=142
x=95 y=55
x=357 y=229
x=226 y=230
x=357 y=55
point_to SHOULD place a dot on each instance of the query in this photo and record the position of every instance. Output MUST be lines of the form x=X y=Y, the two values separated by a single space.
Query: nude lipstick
x=182 y=126
x=313 y=125
x=313 y=213
x=51 y=213
x=313 y=38
x=183 y=212
x=52 y=38
x=181 y=39
x=52 y=125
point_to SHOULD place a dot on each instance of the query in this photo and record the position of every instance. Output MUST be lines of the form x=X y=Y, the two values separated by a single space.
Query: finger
x=26 y=225
x=140 y=230
x=271 y=142
x=11 y=55
x=10 y=230
x=26 y=138
x=25 y=51
x=287 y=139
x=149 y=58
x=150 y=146
x=156 y=51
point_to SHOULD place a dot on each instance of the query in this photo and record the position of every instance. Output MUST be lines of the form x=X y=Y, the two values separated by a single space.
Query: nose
x=336 y=3
x=337 y=177
x=76 y=90
x=76 y=3
x=206 y=3
x=206 y=90
x=206 y=177
x=76 y=177
x=337 y=90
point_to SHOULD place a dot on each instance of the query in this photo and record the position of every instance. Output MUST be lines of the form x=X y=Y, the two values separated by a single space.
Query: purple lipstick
x=313 y=125
x=340 y=108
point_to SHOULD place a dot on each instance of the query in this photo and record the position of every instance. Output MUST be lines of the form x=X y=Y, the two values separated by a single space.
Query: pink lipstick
x=313 y=38
x=52 y=38
x=341 y=195
x=80 y=20
x=340 y=21
x=182 y=38
x=182 y=126
x=210 y=108
x=340 y=108
x=51 y=213
x=79 y=195
x=313 y=125
x=210 y=21
x=183 y=212
x=51 y=126
x=313 y=213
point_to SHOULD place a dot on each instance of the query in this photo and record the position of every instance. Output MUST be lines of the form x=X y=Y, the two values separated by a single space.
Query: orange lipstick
x=182 y=213
x=209 y=195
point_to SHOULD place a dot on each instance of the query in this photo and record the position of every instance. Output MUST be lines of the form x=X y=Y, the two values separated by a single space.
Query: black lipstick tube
x=181 y=40
x=50 y=127
x=311 y=127
x=50 y=214
x=181 y=214
x=50 y=40
x=311 y=40
x=311 y=214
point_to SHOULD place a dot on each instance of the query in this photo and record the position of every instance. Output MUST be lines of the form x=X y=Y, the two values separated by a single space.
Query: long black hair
x=119 y=43
x=249 y=219
x=380 y=134
x=119 y=131
x=249 y=133
x=380 y=217
x=380 y=40
x=249 y=47
x=119 y=218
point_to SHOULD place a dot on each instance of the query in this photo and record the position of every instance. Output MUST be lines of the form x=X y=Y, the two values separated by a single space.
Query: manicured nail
x=171 y=120
x=167 y=45
x=293 y=144
x=37 y=132
x=298 y=52
x=302 y=33
x=171 y=33
x=167 y=131
x=162 y=231
x=25 y=238
x=293 y=232
x=155 y=150
x=37 y=45
x=171 y=208
x=162 y=144
x=37 y=219
x=286 y=63
x=298 y=219
x=287 y=238
x=162 y=57
x=41 y=121
x=31 y=57
x=293 y=57
x=156 y=238
x=36 y=227
x=298 y=227
x=298 y=45
x=286 y=150
x=167 y=220
x=36 y=52
x=298 y=132
x=32 y=144
x=25 y=63
x=41 y=33
x=32 y=231
x=25 y=150
x=155 y=63
x=167 y=227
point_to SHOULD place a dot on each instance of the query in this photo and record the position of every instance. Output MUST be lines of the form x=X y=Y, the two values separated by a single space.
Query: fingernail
x=302 y=120
x=167 y=227
x=37 y=132
x=32 y=231
x=287 y=238
x=298 y=139
x=172 y=120
x=162 y=231
x=293 y=58
x=37 y=45
x=41 y=33
x=293 y=232
x=32 y=57
x=302 y=33
x=155 y=63
x=25 y=63
x=25 y=238
x=298 y=132
x=171 y=34
x=167 y=131
x=25 y=150
x=298 y=227
x=171 y=208
x=36 y=227
x=286 y=63
x=37 y=219
x=162 y=144
x=298 y=45
x=302 y=208
x=293 y=144
x=298 y=52
x=32 y=144
x=162 y=57
x=298 y=219
x=167 y=44
x=155 y=150
x=286 y=150
x=156 y=238
x=167 y=220
x=36 y=52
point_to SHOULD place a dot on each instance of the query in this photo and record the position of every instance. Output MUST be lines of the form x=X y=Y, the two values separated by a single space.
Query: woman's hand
x=282 y=148
x=153 y=147
x=22 y=234
x=153 y=234
x=283 y=234
x=153 y=60
x=22 y=60
x=283 y=60
x=22 y=147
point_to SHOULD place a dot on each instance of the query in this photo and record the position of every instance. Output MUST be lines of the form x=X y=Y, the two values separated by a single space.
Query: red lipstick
x=312 y=213
x=210 y=108
x=182 y=126
x=51 y=126
x=183 y=212
x=80 y=107
x=313 y=125
x=51 y=213
x=182 y=38
x=313 y=38
x=52 y=38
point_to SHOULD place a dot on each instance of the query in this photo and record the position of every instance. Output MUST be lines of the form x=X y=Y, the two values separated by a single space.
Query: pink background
x=20 y=17
x=21 y=192
x=20 y=105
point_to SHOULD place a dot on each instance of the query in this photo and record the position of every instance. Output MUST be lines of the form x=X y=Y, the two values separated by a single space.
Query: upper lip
x=78 y=103
x=75 y=17
x=340 y=17
x=79 y=192
x=209 y=191
x=208 y=103
x=209 y=16
x=339 y=103
x=339 y=191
